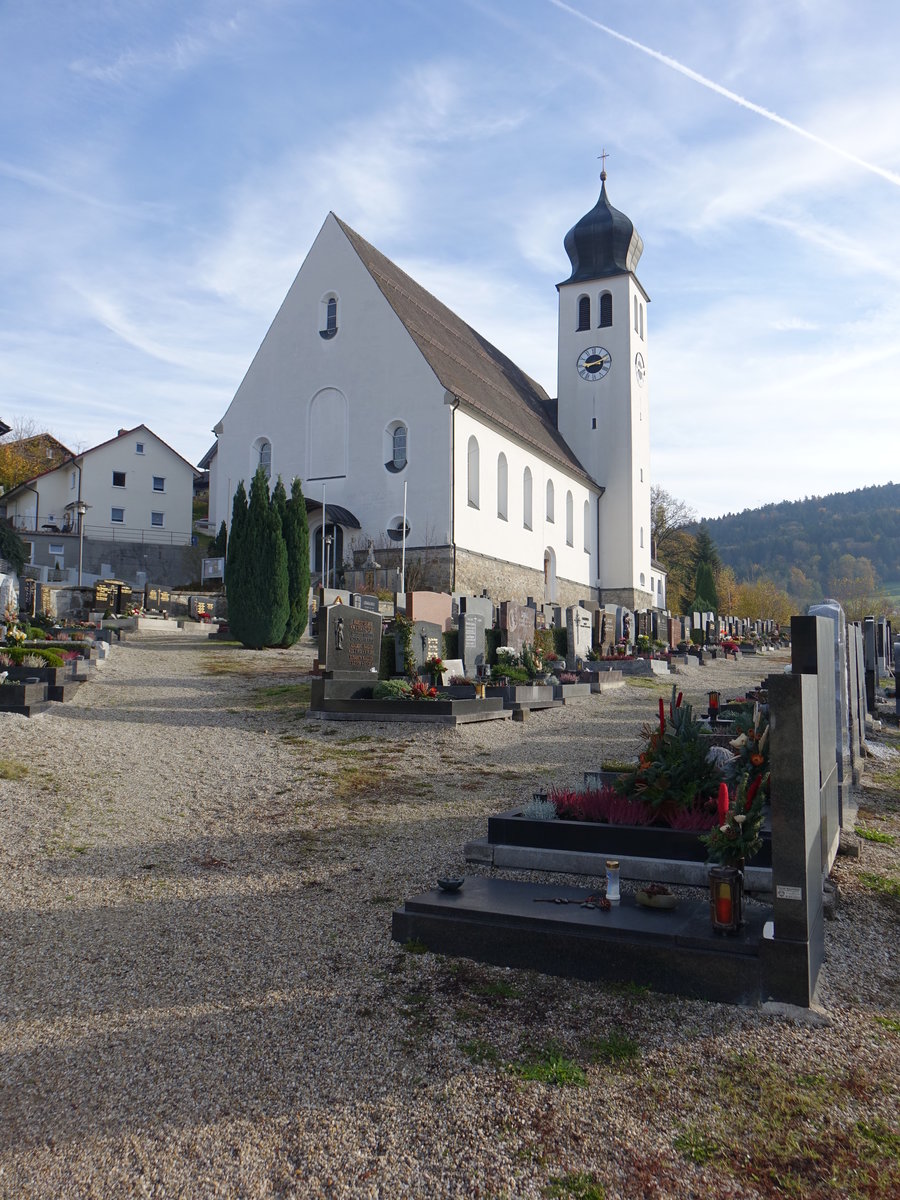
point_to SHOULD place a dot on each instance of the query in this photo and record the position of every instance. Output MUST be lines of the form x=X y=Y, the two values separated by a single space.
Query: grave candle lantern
x=612 y=881
x=713 y=707
x=725 y=899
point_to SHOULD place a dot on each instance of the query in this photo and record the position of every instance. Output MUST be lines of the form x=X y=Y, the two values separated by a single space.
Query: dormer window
x=329 y=325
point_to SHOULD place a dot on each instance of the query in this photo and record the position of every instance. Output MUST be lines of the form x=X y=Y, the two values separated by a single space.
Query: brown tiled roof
x=467 y=365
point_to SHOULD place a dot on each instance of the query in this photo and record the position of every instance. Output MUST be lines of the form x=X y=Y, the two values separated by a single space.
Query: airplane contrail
x=890 y=176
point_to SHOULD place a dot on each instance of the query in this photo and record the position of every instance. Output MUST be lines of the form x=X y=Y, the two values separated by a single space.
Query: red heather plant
x=699 y=819
x=604 y=805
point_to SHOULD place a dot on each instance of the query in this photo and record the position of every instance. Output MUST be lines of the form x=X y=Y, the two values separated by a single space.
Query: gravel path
x=199 y=996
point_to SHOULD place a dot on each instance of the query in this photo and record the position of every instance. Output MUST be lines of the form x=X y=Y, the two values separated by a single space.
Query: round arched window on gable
x=395 y=446
x=473 y=470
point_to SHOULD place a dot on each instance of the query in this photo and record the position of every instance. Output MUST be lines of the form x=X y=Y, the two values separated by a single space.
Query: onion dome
x=603 y=243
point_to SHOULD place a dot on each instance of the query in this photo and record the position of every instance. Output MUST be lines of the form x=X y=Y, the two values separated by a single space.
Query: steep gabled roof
x=4 y=428
x=466 y=363
x=136 y=429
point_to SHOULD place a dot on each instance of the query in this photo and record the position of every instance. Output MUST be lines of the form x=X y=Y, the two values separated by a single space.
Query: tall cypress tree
x=259 y=572
x=218 y=547
x=234 y=575
x=296 y=539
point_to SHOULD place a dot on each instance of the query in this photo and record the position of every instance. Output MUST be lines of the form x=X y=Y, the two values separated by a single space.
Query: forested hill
x=812 y=535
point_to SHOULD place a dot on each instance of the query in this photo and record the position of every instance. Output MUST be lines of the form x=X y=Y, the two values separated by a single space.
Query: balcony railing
x=100 y=533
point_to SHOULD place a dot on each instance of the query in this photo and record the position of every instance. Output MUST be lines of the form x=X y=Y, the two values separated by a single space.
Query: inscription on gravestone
x=517 y=623
x=349 y=640
x=471 y=641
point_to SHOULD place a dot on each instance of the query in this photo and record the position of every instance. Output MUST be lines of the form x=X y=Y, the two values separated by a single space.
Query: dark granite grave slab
x=593 y=837
x=515 y=924
x=26 y=699
x=447 y=712
x=350 y=641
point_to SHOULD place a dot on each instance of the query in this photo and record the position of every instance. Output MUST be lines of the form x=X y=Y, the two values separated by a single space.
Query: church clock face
x=594 y=362
x=640 y=370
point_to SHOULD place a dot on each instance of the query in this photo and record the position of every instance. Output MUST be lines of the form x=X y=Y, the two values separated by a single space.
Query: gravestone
x=425 y=642
x=896 y=678
x=482 y=605
x=832 y=611
x=643 y=623
x=202 y=606
x=349 y=642
x=871 y=661
x=517 y=624
x=578 y=634
x=434 y=607
x=453 y=668
x=855 y=701
x=158 y=599
x=792 y=955
x=112 y=594
x=812 y=653
x=471 y=642
x=362 y=600
x=329 y=596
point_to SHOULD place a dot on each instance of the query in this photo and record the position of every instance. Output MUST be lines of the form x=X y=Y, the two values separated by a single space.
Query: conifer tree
x=259 y=574
x=234 y=575
x=296 y=539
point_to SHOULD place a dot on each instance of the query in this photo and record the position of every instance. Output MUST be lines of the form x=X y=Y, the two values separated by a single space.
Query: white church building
x=365 y=382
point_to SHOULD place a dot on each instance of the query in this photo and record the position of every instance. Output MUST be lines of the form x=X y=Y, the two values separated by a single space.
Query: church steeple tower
x=602 y=389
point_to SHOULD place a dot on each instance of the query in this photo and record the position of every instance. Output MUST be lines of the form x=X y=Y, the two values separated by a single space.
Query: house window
x=605 y=309
x=118 y=479
x=570 y=520
x=139 y=447
x=55 y=549
x=526 y=498
x=157 y=519
x=549 y=499
x=117 y=516
x=502 y=486
x=72 y=482
x=159 y=483
x=329 y=317
x=472 y=457
x=584 y=312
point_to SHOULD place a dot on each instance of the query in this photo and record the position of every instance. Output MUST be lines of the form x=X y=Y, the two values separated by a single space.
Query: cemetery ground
x=199 y=996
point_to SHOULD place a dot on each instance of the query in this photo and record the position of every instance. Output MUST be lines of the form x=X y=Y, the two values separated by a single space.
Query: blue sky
x=165 y=166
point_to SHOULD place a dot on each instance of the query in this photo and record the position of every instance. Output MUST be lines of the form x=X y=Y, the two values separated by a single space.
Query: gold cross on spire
x=603 y=157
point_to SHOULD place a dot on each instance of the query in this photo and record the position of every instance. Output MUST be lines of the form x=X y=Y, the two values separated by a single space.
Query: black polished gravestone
x=471 y=642
x=426 y=641
x=361 y=600
x=158 y=599
x=349 y=642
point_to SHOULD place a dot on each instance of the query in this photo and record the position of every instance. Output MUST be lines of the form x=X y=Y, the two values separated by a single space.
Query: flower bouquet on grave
x=435 y=666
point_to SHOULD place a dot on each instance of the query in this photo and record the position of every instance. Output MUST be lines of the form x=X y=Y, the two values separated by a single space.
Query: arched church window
x=587 y=526
x=570 y=520
x=641 y=315
x=262 y=453
x=549 y=499
x=329 y=325
x=635 y=314
x=473 y=464
x=642 y=537
x=526 y=498
x=395 y=436
x=605 y=309
x=502 y=486
x=584 y=312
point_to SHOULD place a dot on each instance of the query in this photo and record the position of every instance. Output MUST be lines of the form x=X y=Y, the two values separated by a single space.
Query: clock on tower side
x=603 y=389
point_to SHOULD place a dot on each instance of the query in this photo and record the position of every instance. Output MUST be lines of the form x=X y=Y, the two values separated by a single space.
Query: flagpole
x=403 y=551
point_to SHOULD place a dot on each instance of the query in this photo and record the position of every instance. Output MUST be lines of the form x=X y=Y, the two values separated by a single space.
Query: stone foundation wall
x=632 y=598
x=507 y=581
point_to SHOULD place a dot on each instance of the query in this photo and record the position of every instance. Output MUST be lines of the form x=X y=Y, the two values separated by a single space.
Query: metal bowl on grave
x=451 y=884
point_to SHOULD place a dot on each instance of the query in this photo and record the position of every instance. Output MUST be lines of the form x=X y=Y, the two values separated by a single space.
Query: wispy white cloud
x=742 y=101
x=181 y=52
